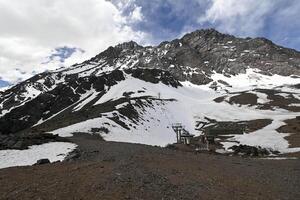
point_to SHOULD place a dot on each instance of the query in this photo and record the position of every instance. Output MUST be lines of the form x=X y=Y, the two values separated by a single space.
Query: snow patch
x=85 y=99
x=253 y=79
x=54 y=151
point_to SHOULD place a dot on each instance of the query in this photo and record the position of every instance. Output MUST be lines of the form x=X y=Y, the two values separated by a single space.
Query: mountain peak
x=128 y=45
x=210 y=32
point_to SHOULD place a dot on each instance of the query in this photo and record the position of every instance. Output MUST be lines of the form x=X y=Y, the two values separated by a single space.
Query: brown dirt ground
x=110 y=170
x=257 y=124
x=244 y=99
x=292 y=126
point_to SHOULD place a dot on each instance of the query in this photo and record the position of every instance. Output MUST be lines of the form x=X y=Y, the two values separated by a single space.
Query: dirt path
x=110 y=170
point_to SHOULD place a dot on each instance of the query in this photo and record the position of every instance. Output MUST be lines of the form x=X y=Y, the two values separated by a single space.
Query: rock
x=171 y=146
x=224 y=83
x=42 y=161
x=100 y=130
x=23 y=141
x=249 y=150
x=73 y=155
x=18 y=145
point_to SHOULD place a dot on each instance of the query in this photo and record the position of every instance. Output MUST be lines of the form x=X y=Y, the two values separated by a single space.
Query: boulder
x=249 y=150
x=42 y=161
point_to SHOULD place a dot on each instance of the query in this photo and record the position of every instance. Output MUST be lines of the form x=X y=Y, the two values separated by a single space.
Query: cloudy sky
x=39 y=35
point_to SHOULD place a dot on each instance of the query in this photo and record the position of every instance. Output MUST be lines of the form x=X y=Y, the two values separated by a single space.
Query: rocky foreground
x=110 y=170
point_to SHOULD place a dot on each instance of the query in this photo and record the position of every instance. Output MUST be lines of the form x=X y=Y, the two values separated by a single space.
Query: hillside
x=131 y=93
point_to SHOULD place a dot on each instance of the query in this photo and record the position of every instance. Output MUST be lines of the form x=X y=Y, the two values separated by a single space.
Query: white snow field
x=54 y=151
x=192 y=103
x=253 y=79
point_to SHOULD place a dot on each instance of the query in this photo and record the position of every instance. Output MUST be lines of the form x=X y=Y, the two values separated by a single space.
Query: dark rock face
x=195 y=56
x=232 y=55
x=23 y=141
x=100 y=130
x=154 y=76
x=251 y=150
x=15 y=95
x=73 y=155
x=51 y=102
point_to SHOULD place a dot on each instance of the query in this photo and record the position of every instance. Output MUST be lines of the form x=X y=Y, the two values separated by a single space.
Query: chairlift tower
x=182 y=135
x=177 y=127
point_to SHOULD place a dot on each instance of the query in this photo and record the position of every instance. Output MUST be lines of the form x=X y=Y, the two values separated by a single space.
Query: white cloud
x=136 y=14
x=242 y=17
x=31 y=29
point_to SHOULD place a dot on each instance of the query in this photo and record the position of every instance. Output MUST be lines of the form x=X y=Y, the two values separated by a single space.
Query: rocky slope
x=133 y=93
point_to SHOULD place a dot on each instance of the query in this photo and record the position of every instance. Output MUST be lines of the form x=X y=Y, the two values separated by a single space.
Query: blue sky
x=3 y=83
x=44 y=35
x=63 y=53
x=274 y=19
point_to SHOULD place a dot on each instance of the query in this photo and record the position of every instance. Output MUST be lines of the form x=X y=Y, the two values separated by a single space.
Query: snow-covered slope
x=185 y=105
x=131 y=93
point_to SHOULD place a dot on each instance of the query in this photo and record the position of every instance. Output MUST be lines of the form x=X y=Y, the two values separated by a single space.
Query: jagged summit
x=207 y=50
x=129 y=45
x=207 y=33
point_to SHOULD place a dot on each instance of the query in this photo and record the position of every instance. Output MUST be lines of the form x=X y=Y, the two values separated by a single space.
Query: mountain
x=132 y=93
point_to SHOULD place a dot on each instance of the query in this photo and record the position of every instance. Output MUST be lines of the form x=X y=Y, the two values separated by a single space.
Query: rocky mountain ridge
x=133 y=89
